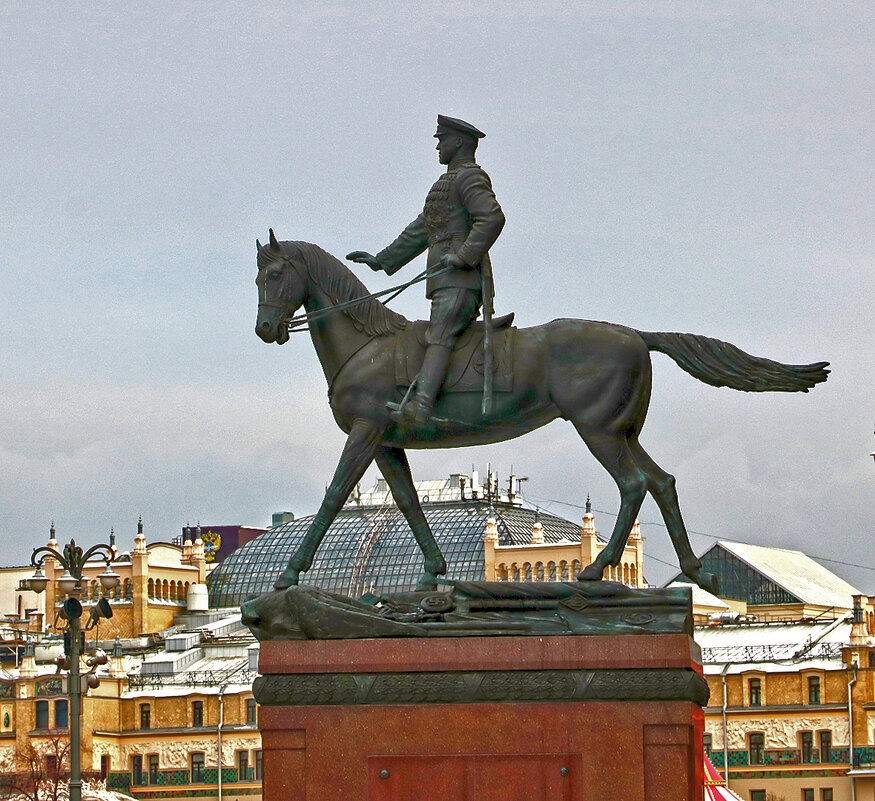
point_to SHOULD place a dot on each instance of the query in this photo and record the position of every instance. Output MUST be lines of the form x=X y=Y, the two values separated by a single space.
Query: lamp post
x=73 y=559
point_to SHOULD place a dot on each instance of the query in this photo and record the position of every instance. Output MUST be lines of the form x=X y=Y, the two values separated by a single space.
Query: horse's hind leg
x=662 y=487
x=396 y=470
x=358 y=453
x=612 y=450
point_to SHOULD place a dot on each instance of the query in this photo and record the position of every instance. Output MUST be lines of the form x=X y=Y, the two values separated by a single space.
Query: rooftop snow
x=797 y=573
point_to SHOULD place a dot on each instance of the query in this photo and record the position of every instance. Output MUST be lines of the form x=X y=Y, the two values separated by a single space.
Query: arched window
x=539 y=570
x=563 y=570
x=515 y=572
x=128 y=589
x=551 y=571
x=633 y=575
x=528 y=568
x=575 y=567
x=166 y=590
x=625 y=574
x=151 y=588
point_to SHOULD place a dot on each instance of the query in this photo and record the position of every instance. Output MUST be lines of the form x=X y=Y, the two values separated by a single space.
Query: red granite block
x=480 y=653
x=623 y=751
x=482 y=751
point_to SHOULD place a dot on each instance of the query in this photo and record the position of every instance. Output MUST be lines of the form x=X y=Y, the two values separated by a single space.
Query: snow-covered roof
x=797 y=573
x=702 y=597
x=773 y=646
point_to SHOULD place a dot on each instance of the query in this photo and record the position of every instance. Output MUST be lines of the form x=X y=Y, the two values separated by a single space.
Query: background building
x=176 y=692
x=787 y=647
x=789 y=663
x=369 y=547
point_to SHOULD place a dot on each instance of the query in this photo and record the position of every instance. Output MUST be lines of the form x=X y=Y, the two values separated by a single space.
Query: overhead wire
x=697 y=533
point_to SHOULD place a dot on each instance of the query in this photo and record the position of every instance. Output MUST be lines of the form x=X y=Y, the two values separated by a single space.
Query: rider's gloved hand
x=452 y=260
x=363 y=257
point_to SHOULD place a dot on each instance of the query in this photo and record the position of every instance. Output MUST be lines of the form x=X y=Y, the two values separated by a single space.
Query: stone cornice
x=480 y=687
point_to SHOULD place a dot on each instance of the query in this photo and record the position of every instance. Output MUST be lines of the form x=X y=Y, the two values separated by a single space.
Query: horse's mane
x=337 y=281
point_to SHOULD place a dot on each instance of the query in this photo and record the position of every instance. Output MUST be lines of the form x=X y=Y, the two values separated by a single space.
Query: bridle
x=301 y=322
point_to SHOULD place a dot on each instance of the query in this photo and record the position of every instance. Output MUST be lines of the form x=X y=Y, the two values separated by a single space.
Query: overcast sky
x=679 y=166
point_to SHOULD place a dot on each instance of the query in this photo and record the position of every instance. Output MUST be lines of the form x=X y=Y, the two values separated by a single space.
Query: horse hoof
x=591 y=572
x=436 y=567
x=707 y=581
x=710 y=582
x=289 y=578
x=428 y=581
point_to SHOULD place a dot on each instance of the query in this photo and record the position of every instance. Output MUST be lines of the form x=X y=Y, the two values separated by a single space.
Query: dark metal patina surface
x=473 y=608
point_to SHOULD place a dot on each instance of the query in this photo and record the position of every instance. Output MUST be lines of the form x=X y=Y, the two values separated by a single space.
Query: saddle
x=465 y=371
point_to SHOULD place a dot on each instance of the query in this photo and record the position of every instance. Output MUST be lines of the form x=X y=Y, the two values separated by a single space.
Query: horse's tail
x=724 y=365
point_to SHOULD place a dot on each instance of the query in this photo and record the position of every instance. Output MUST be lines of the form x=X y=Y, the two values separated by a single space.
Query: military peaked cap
x=452 y=125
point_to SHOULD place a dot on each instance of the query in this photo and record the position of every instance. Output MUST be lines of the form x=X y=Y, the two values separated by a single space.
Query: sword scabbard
x=487 y=292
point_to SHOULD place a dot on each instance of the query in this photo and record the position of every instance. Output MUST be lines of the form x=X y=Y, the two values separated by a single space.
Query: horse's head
x=282 y=289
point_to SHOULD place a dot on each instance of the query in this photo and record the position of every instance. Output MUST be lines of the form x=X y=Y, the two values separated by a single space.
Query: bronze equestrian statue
x=596 y=375
x=460 y=221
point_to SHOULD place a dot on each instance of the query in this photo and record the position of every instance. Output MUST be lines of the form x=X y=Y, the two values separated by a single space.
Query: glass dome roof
x=371 y=549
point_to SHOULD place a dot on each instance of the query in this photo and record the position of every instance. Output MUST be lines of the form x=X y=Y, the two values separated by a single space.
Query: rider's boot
x=418 y=410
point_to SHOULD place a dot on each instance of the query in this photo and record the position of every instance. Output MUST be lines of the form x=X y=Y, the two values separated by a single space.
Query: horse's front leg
x=396 y=470
x=358 y=453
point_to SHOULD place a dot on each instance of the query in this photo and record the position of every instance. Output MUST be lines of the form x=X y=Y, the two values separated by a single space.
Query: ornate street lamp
x=73 y=559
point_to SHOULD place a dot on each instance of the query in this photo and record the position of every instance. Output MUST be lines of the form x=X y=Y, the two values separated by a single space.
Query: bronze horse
x=596 y=375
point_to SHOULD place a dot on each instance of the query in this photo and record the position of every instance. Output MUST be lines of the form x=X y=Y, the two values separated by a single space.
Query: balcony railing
x=172 y=777
x=769 y=653
x=196 y=678
x=778 y=757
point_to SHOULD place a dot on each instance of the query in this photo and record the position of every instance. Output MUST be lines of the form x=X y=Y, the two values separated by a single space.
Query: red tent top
x=715 y=787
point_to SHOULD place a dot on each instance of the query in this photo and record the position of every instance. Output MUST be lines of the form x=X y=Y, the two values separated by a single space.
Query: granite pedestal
x=553 y=718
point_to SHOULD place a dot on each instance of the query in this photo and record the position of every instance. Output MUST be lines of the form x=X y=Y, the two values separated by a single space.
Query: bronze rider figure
x=460 y=221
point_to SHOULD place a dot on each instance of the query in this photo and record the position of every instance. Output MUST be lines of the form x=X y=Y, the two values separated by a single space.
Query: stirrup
x=397 y=414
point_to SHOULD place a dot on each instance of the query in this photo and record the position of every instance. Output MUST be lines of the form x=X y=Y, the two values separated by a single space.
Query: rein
x=300 y=322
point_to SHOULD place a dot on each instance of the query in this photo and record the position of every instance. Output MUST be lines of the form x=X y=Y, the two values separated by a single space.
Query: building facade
x=174 y=695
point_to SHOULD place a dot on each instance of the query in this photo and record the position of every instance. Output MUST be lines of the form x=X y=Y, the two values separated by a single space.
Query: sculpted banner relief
x=779 y=732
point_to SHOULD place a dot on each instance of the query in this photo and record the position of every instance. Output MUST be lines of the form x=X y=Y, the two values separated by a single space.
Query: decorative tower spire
x=491 y=532
x=53 y=542
x=537 y=530
x=859 y=635
x=28 y=663
x=197 y=550
x=588 y=520
x=636 y=531
x=140 y=539
x=117 y=665
x=186 y=544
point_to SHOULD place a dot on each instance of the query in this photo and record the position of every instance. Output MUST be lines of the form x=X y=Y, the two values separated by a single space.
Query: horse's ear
x=273 y=243
x=257 y=246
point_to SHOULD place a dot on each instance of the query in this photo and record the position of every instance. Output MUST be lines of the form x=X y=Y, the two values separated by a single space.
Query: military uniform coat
x=461 y=216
